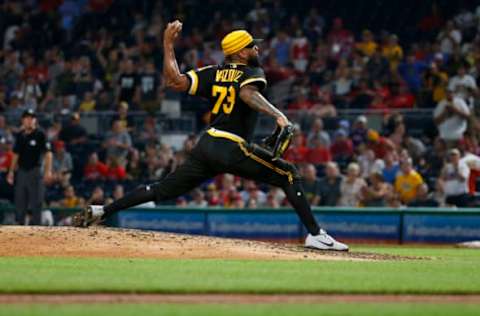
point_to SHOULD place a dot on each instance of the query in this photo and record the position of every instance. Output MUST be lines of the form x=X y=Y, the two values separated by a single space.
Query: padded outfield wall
x=430 y=225
x=376 y=224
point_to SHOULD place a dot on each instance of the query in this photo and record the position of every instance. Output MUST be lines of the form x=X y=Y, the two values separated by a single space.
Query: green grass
x=449 y=271
x=232 y=310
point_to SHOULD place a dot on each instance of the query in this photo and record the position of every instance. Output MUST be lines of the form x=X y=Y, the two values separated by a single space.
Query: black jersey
x=221 y=85
x=30 y=147
x=127 y=83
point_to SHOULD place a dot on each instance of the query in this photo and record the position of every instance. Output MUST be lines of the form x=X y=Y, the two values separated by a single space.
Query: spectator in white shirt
x=454 y=180
x=252 y=192
x=465 y=19
x=449 y=38
x=451 y=116
x=198 y=199
x=62 y=164
x=257 y=13
x=351 y=186
x=317 y=132
x=473 y=163
x=463 y=84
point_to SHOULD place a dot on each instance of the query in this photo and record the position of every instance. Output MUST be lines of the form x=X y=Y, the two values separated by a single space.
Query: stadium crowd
x=68 y=59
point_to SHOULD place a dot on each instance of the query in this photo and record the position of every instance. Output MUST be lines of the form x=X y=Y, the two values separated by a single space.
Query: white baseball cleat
x=324 y=241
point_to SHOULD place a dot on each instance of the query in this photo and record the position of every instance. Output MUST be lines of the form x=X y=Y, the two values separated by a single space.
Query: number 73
x=223 y=94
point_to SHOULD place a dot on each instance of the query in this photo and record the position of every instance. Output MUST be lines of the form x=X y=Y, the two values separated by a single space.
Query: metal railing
x=100 y=122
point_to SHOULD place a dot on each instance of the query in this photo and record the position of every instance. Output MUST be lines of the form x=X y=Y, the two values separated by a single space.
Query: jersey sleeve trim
x=248 y=81
x=193 y=82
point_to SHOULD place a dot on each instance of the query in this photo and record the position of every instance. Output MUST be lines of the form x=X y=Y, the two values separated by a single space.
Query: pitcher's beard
x=254 y=61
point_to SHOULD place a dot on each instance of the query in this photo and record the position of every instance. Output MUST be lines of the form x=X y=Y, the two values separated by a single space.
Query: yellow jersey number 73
x=225 y=98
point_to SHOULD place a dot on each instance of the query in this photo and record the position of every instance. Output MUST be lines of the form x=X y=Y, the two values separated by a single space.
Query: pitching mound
x=129 y=243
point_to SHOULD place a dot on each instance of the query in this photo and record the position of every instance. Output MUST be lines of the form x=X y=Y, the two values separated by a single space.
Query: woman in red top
x=403 y=99
x=297 y=151
x=319 y=153
x=95 y=169
x=116 y=172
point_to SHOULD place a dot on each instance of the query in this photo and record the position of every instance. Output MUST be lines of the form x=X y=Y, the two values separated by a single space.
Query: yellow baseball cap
x=235 y=41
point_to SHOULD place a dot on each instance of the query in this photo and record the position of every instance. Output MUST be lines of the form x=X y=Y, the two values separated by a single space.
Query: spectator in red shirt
x=401 y=99
x=379 y=144
x=301 y=101
x=342 y=147
x=297 y=151
x=276 y=72
x=431 y=23
x=213 y=196
x=228 y=189
x=230 y=197
x=39 y=71
x=6 y=155
x=378 y=103
x=340 y=40
x=116 y=172
x=382 y=89
x=300 y=51
x=99 y=5
x=473 y=163
x=318 y=153
x=95 y=169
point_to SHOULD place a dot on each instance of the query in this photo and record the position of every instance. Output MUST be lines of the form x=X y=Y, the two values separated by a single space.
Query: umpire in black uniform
x=30 y=146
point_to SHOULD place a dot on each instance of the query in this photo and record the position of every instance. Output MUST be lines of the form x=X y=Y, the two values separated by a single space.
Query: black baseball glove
x=278 y=142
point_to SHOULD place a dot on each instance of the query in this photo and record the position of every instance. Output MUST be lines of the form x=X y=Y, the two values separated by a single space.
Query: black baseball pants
x=218 y=153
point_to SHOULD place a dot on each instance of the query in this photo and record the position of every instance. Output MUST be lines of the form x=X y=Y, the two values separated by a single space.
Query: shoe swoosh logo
x=328 y=244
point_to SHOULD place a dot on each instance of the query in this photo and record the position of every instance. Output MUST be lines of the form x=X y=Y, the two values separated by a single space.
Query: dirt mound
x=129 y=243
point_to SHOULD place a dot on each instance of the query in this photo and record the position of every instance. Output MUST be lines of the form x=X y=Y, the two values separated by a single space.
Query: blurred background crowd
x=383 y=94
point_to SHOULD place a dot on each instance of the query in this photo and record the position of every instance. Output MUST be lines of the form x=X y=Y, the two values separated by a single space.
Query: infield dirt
x=130 y=243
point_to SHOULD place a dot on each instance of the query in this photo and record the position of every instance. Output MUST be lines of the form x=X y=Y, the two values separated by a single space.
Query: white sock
x=97 y=210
